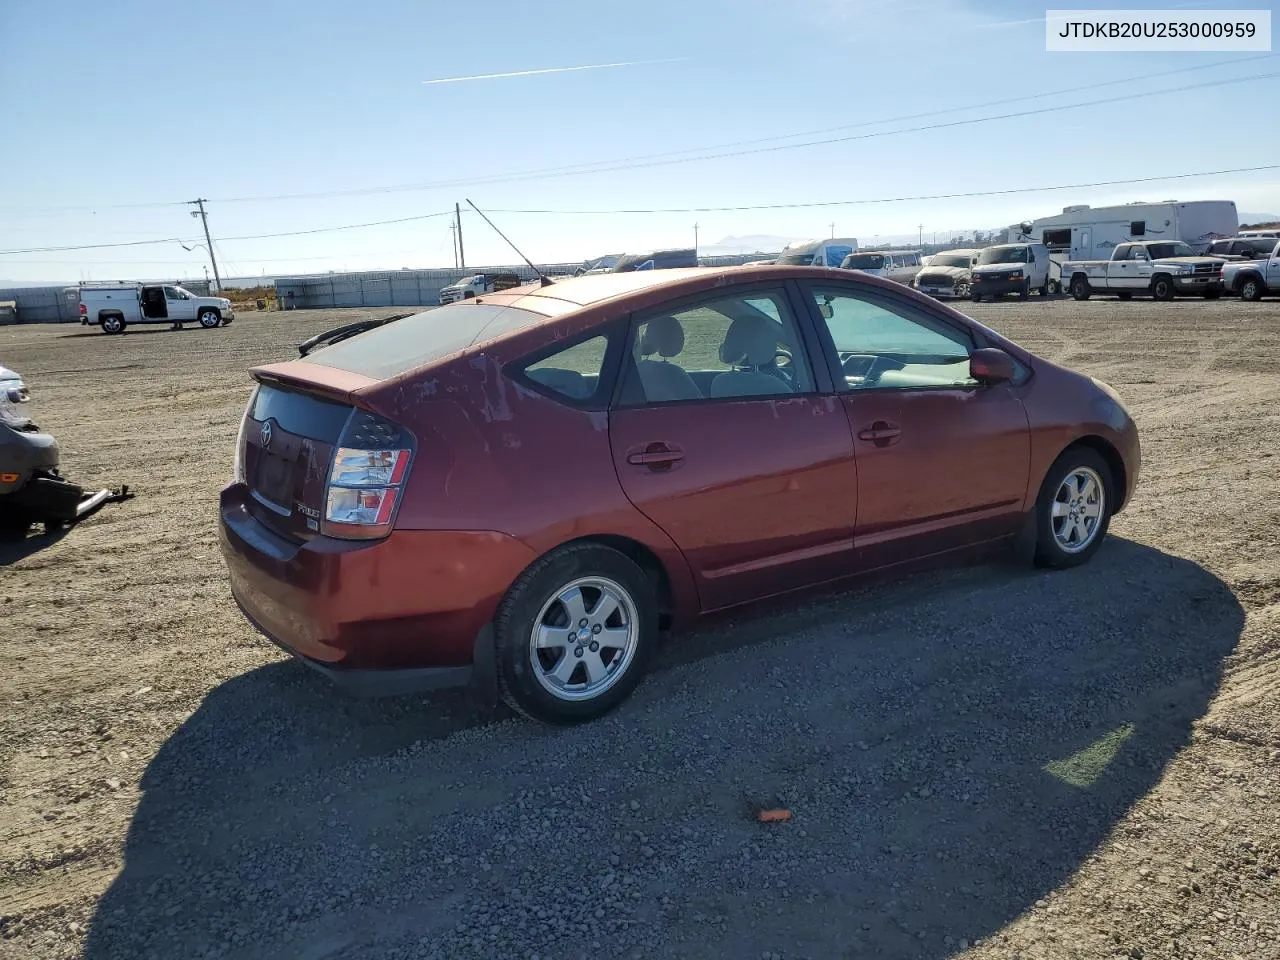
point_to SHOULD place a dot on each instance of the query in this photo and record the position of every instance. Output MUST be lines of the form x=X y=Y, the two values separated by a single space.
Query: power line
x=589 y=167
x=931 y=196
x=658 y=210
x=644 y=160
x=255 y=236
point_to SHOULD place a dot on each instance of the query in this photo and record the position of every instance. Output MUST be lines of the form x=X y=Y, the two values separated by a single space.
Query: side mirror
x=991 y=365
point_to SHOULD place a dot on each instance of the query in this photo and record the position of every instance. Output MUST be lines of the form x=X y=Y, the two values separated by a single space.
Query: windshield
x=399 y=347
x=864 y=261
x=1003 y=255
x=950 y=260
x=1157 y=250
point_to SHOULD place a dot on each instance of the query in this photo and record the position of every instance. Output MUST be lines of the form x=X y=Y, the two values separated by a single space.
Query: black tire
x=112 y=324
x=1125 y=295
x=1251 y=288
x=209 y=318
x=15 y=522
x=1054 y=287
x=1213 y=293
x=976 y=297
x=1025 y=292
x=1044 y=288
x=1049 y=551
x=1162 y=287
x=1080 y=288
x=536 y=590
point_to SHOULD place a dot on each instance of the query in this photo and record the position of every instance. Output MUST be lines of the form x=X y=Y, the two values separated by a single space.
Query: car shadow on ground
x=952 y=749
x=15 y=548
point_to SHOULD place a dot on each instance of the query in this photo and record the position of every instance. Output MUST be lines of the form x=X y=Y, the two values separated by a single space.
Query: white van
x=818 y=253
x=899 y=265
x=114 y=306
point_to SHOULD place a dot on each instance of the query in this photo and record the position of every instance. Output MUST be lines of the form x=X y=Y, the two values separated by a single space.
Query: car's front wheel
x=210 y=318
x=574 y=633
x=1073 y=510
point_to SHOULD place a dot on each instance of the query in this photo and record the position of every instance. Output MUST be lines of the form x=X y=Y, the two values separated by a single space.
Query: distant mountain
x=1260 y=218
x=750 y=243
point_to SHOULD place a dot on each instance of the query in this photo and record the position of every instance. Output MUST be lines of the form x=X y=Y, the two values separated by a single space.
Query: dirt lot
x=999 y=760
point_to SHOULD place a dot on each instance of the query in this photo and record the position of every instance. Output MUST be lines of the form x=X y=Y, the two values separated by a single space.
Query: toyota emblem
x=265 y=437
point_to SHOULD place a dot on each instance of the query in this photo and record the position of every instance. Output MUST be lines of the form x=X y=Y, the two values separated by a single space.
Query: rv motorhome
x=1083 y=232
x=818 y=253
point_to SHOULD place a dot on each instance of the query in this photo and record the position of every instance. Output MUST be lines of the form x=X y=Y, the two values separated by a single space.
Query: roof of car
x=573 y=293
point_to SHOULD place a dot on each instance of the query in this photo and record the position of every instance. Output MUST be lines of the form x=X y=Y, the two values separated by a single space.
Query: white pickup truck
x=115 y=306
x=1254 y=279
x=1162 y=268
x=477 y=285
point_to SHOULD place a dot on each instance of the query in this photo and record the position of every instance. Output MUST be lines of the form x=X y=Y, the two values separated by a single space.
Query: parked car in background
x=1164 y=269
x=817 y=253
x=1242 y=248
x=524 y=491
x=11 y=386
x=1254 y=279
x=478 y=285
x=948 y=274
x=1010 y=268
x=656 y=260
x=116 y=306
x=898 y=265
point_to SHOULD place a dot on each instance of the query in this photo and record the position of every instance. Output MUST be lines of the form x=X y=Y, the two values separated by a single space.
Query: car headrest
x=663 y=336
x=750 y=341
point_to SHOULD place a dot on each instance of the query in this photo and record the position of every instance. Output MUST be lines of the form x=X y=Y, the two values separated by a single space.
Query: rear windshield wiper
x=338 y=334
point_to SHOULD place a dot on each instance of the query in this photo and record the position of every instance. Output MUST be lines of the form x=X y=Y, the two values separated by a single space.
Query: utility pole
x=920 y=238
x=453 y=237
x=462 y=254
x=204 y=219
x=695 y=239
x=833 y=231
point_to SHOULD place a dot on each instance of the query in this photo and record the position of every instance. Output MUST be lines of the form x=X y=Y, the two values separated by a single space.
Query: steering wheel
x=784 y=363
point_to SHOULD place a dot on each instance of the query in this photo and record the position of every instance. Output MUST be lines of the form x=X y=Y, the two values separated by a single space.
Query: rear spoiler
x=304 y=376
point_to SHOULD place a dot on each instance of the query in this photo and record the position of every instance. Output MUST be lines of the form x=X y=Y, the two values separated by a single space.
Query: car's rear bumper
x=409 y=607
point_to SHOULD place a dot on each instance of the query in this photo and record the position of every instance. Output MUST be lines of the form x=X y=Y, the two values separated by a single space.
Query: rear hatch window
x=289 y=439
x=399 y=347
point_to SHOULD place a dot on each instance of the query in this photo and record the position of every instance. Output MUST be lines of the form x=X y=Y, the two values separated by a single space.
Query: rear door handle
x=655 y=456
x=881 y=433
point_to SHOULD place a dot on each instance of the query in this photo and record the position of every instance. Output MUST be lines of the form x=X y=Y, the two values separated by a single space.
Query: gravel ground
x=995 y=762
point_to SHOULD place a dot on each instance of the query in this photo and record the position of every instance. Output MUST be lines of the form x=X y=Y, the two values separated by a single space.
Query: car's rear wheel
x=1080 y=289
x=1073 y=510
x=113 y=324
x=210 y=319
x=574 y=633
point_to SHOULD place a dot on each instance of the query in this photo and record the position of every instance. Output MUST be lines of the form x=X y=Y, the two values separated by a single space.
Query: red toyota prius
x=525 y=488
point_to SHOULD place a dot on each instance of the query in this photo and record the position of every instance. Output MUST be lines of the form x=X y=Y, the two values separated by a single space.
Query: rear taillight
x=84 y=311
x=366 y=478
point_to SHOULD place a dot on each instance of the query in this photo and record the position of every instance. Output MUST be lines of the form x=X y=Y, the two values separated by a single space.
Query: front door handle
x=656 y=456
x=881 y=433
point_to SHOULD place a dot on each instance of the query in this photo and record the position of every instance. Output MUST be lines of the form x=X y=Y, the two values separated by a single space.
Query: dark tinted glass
x=398 y=347
x=300 y=413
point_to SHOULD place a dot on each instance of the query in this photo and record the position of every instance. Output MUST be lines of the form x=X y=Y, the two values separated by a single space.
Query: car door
x=721 y=436
x=943 y=460
x=1121 y=269
x=180 y=306
x=1273 y=269
x=1143 y=269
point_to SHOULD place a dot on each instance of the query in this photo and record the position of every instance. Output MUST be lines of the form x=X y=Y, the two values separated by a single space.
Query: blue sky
x=141 y=102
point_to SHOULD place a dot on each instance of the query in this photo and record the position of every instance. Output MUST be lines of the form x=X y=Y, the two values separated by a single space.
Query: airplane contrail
x=530 y=73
